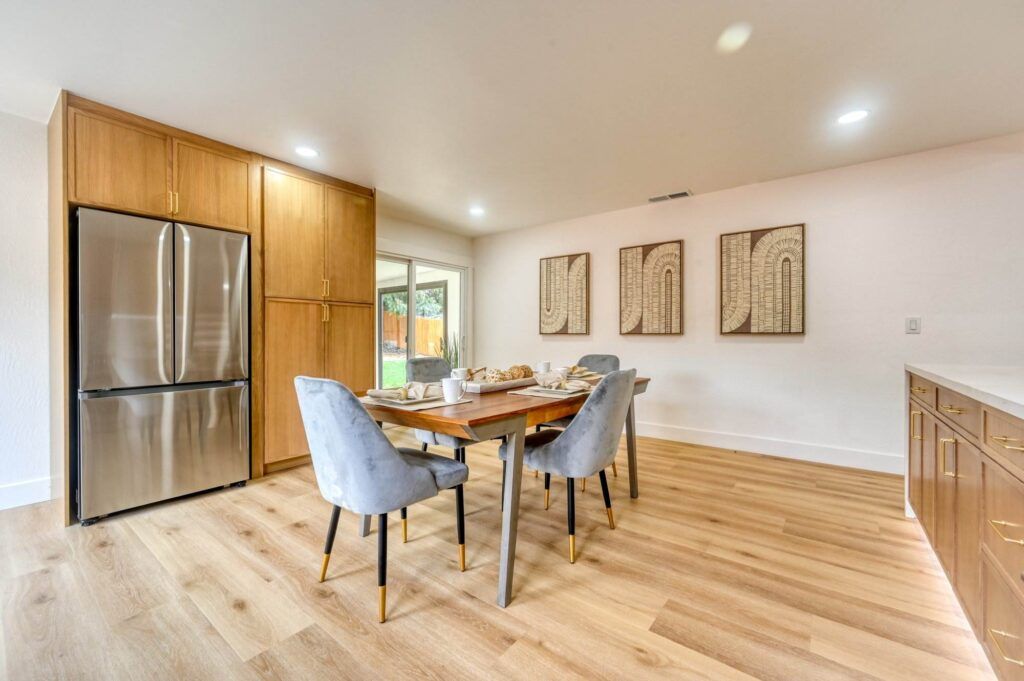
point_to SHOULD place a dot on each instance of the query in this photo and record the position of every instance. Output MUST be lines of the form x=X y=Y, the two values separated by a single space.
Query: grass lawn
x=394 y=373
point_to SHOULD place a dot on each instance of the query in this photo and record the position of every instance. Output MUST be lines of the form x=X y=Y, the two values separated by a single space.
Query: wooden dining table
x=491 y=415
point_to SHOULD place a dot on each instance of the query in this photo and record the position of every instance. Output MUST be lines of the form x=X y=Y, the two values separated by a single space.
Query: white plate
x=403 y=403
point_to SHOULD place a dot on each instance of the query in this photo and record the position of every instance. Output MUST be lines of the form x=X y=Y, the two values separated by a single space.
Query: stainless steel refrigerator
x=162 y=360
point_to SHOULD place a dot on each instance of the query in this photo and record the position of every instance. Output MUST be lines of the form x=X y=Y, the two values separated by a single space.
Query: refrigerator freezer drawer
x=211 y=305
x=145 y=447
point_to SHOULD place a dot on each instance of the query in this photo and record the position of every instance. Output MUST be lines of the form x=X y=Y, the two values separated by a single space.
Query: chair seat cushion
x=534 y=441
x=441 y=440
x=447 y=472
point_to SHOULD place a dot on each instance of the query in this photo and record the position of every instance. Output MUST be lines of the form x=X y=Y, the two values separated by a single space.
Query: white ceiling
x=536 y=109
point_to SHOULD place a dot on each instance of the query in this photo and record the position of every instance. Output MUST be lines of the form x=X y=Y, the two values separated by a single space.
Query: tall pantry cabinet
x=319 y=246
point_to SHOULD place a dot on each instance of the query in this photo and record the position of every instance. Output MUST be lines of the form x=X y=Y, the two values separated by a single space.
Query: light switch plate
x=913 y=325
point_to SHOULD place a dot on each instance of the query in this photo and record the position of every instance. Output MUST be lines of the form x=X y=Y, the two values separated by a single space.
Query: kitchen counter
x=1001 y=387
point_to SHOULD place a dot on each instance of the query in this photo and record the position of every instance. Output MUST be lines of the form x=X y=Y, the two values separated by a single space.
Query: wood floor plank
x=730 y=566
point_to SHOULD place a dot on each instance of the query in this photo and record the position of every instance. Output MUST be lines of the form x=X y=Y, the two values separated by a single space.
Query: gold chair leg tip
x=323 y=566
x=382 y=605
x=572 y=548
x=462 y=557
x=405 y=531
x=611 y=519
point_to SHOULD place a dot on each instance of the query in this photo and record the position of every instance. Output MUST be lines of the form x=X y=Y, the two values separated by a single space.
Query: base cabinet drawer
x=1003 y=527
x=1004 y=436
x=963 y=411
x=923 y=390
x=1004 y=626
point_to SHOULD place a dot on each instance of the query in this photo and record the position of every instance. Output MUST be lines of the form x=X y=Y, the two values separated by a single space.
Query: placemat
x=530 y=393
x=413 y=407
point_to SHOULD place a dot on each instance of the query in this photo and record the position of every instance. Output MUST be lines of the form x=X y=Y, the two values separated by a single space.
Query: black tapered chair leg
x=382 y=566
x=538 y=429
x=547 y=491
x=423 y=447
x=607 y=499
x=332 y=529
x=405 y=525
x=571 y=499
x=460 y=526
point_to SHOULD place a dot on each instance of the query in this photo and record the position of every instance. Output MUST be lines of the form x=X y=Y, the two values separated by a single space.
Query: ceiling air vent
x=668 y=197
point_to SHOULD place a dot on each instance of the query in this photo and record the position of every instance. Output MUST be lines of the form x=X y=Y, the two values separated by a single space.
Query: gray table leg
x=510 y=514
x=634 y=486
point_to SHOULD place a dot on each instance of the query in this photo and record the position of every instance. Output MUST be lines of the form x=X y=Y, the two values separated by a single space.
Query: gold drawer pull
x=912 y=435
x=950 y=409
x=918 y=389
x=1006 y=658
x=996 y=524
x=1002 y=440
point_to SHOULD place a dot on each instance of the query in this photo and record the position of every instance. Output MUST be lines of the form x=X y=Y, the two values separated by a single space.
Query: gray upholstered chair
x=358 y=469
x=432 y=370
x=587 y=445
x=602 y=364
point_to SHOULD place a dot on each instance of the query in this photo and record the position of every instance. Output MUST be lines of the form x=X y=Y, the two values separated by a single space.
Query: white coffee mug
x=454 y=389
x=542 y=367
x=461 y=374
x=563 y=372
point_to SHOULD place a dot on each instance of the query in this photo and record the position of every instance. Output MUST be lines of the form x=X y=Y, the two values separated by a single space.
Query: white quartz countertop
x=1001 y=387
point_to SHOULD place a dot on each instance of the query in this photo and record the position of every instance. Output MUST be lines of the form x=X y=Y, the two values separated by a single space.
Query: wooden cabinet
x=914 y=454
x=211 y=187
x=118 y=165
x=967 y=489
x=349 y=357
x=351 y=247
x=968 y=528
x=294 y=346
x=944 y=538
x=121 y=162
x=319 y=247
x=293 y=236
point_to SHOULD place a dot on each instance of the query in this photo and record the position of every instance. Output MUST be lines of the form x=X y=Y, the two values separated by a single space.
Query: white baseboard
x=838 y=456
x=24 y=493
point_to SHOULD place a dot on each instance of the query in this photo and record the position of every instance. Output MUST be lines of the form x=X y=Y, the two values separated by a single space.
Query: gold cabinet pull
x=1002 y=440
x=323 y=288
x=912 y=435
x=325 y=313
x=327 y=288
x=942 y=453
x=999 y=647
x=918 y=389
x=996 y=524
x=950 y=409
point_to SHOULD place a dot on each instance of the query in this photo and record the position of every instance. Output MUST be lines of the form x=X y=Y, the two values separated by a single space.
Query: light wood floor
x=728 y=566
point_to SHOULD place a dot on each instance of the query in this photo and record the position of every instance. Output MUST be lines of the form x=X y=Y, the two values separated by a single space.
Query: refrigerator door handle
x=165 y=302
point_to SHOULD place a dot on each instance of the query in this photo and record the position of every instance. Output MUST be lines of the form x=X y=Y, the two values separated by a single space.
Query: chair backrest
x=590 y=441
x=356 y=465
x=602 y=364
x=427 y=369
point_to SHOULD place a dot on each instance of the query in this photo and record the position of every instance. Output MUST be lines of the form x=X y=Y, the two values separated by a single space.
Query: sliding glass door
x=434 y=327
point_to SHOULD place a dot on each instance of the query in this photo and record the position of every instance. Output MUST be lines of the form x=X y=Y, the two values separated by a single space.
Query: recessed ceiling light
x=852 y=116
x=734 y=37
x=308 y=152
x=476 y=211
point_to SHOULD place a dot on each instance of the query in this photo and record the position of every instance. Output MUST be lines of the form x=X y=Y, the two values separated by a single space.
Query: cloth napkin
x=553 y=379
x=409 y=391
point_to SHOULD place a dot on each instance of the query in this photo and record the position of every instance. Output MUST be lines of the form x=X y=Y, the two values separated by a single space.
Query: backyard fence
x=428 y=333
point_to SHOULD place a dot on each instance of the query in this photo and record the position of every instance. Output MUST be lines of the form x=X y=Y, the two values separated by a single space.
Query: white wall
x=413 y=240
x=24 y=364
x=938 y=235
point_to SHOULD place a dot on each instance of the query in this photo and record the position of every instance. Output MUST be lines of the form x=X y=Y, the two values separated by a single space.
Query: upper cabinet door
x=351 y=245
x=117 y=165
x=212 y=187
x=293 y=236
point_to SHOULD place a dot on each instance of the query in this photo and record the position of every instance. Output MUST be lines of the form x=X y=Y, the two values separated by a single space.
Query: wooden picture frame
x=651 y=289
x=762 y=283
x=564 y=295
